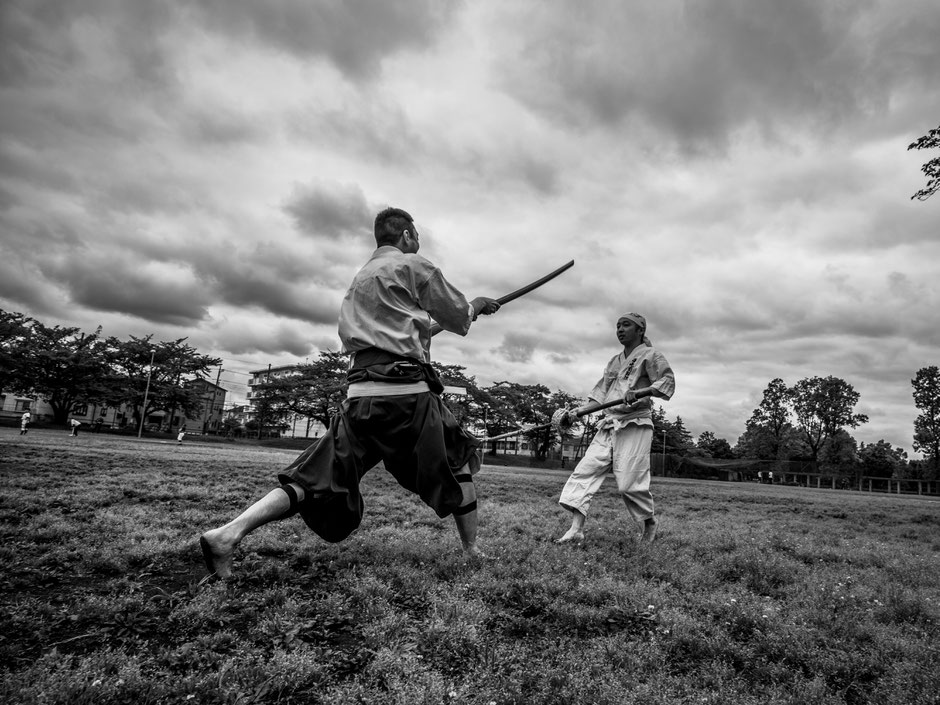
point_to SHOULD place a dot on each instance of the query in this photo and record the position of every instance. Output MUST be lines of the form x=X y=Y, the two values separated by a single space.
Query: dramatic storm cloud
x=736 y=171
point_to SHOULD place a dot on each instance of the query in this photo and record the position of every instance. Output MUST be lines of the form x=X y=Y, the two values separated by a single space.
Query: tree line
x=71 y=369
x=810 y=420
x=807 y=421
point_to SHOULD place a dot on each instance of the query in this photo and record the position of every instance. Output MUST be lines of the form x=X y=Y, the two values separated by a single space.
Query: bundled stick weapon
x=561 y=421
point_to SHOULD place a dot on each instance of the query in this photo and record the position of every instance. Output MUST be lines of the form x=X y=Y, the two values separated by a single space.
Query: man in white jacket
x=625 y=432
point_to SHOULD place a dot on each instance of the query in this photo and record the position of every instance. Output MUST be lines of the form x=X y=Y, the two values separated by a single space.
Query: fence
x=865 y=483
x=797 y=473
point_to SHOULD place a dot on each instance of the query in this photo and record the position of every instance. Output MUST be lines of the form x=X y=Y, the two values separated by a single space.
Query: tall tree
x=314 y=390
x=64 y=366
x=468 y=408
x=932 y=168
x=14 y=343
x=671 y=436
x=133 y=378
x=714 y=447
x=771 y=419
x=880 y=459
x=926 y=385
x=682 y=439
x=824 y=406
x=520 y=405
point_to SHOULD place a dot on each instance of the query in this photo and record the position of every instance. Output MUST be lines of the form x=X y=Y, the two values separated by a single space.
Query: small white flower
x=95 y=683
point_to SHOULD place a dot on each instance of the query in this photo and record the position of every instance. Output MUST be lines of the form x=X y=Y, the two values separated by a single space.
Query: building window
x=80 y=410
x=23 y=404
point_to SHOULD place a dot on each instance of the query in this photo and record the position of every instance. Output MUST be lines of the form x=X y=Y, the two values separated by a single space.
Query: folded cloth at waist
x=375 y=365
x=385 y=389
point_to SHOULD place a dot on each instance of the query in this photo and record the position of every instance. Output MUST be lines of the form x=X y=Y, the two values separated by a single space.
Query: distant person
x=74 y=424
x=624 y=433
x=181 y=435
x=24 y=422
x=393 y=410
x=770 y=477
x=99 y=422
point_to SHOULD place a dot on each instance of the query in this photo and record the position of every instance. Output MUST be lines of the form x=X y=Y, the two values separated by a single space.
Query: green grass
x=752 y=594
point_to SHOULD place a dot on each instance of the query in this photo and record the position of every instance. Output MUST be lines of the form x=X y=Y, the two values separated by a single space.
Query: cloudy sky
x=736 y=170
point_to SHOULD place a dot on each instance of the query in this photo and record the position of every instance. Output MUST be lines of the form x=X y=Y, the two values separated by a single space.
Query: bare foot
x=217 y=554
x=475 y=554
x=649 y=532
x=571 y=536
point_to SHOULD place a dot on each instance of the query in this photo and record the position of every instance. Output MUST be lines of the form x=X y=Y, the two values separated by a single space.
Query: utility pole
x=143 y=409
x=664 y=452
x=208 y=419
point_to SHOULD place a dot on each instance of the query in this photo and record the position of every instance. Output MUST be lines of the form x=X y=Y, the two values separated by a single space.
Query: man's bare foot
x=217 y=554
x=649 y=532
x=571 y=536
x=474 y=553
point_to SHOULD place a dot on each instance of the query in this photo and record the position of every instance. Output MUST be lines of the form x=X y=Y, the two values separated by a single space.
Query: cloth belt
x=385 y=389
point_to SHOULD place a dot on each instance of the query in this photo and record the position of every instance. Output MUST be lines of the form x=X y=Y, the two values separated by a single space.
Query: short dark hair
x=390 y=224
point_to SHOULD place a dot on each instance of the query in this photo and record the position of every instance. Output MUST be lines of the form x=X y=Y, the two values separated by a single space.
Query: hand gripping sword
x=522 y=291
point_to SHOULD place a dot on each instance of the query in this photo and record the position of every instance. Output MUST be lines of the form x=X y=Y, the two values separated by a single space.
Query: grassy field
x=752 y=594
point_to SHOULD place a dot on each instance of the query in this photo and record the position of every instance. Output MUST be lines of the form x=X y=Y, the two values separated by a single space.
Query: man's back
x=391 y=302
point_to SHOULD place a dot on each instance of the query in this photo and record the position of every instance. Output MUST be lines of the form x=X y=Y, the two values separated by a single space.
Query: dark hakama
x=415 y=435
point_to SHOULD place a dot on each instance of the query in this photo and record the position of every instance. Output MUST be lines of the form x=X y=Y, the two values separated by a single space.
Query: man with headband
x=625 y=432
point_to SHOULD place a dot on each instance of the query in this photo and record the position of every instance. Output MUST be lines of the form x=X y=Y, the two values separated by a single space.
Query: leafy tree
x=714 y=447
x=770 y=421
x=681 y=438
x=823 y=406
x=133 y=377
x=678 y=440
x=468 y=409
x=839 y=454
x=517 y=405
x=932 y=168
x=926 y=385
x=14 y=342
x=324 y=384
x=880 y=459
x=64 y=366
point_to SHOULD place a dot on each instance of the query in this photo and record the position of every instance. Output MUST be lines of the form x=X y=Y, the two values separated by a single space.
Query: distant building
x=296 y=426
x=208 y=421
x=13 y=406
x=212 y=399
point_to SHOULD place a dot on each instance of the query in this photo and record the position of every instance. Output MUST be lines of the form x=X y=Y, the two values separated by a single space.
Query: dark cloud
x=278 y=298
x=24 y=287
x=218 y=126
x=42 y=40
x=355 y=35
x=517 y=347
x=110 y=283
x=371 y=128
x=698 y=72
x=330 y=210
x=249 y=340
